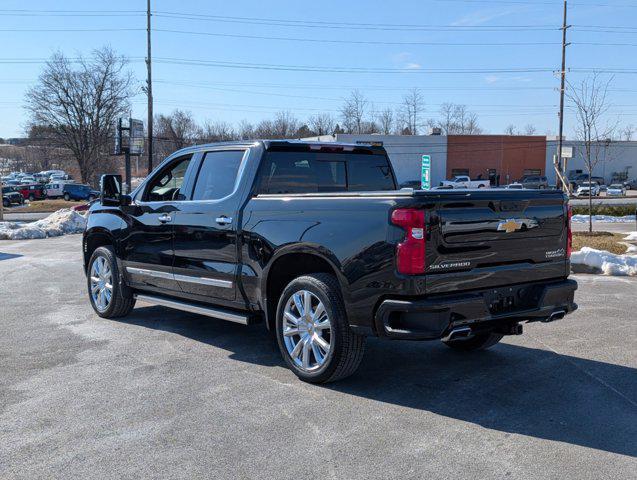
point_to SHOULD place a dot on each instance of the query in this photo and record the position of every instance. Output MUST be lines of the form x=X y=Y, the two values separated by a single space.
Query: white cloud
x=482 y=16
x=405 y=60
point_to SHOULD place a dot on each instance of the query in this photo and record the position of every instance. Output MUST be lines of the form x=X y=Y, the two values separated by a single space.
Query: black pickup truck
x=316 y=240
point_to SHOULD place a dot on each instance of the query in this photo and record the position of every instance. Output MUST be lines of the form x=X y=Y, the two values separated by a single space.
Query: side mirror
x=111 y=193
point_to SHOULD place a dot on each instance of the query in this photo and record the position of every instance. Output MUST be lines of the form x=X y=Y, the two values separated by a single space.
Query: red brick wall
x=508 y=155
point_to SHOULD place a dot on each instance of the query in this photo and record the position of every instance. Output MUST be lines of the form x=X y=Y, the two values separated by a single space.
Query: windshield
x=616 y=186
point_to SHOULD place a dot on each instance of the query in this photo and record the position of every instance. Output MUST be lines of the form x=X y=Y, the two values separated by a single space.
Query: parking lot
x=176 y=395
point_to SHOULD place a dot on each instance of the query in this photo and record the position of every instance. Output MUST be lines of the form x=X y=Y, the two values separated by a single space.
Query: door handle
x=165 y=218
x=223 y=220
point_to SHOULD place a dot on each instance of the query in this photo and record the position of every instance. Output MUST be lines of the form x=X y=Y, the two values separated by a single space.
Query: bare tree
x=627 y=133
x=245 y=130
x=176 y=130
x=285 y=125
x=385 y=119
x=530 y=130
x=218 y=131
x=322 y=124
x=413 y=107
x=510 y=129
x=80 y=102
x=353 y=112
x=456 y=120
x=446 y=121
x=589 y=98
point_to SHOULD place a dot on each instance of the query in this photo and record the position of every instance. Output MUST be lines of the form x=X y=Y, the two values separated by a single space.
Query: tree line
x=74 y=105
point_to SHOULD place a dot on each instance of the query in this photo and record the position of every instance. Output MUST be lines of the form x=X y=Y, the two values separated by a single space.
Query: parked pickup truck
x=315 y=240
x=463 y=181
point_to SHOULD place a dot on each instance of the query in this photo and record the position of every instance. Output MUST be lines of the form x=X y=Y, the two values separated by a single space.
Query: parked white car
x=515 y=186
x=463 y=181
x=54 y=190
x=616 y=190
x=585 y=187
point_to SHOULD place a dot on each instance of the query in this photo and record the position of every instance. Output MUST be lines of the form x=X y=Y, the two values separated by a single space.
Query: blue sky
x=416 y=57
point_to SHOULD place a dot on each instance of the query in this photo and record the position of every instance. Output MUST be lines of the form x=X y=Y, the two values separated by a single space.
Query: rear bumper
x=433 y=318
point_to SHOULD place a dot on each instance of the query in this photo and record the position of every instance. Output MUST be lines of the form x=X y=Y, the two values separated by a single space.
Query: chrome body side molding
x=180 y=278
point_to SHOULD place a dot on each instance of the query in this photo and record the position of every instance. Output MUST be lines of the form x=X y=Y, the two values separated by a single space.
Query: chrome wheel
x=306 y=330
x=101 y=283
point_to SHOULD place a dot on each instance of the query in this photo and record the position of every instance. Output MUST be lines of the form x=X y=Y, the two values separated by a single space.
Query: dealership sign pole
x=129 y=140
x=425 y=180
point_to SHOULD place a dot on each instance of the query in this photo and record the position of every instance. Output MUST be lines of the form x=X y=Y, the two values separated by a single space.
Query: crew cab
x=316 y=241
x=464 y=181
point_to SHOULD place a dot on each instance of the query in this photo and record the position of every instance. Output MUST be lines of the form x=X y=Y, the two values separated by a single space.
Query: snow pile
x=603 y=218
x=62 y=222
x=632 y=237
x=601 y=261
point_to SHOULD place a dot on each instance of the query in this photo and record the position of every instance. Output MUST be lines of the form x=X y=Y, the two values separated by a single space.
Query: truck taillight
x=410 y=253
x=569 y=232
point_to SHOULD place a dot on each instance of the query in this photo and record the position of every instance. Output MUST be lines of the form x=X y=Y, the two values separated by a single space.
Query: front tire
x=67 y=197
x=313 y=332
x=106 y=289
x=481 y=341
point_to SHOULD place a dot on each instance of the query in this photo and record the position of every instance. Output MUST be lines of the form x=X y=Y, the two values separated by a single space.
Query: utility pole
x=149 y=90
x=2 y=201
x=560 y=167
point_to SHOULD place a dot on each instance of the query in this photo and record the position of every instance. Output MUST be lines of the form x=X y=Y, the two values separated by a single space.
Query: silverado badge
x=510 y=225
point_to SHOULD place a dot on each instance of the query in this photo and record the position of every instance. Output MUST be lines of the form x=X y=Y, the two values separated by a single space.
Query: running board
x=192 y=308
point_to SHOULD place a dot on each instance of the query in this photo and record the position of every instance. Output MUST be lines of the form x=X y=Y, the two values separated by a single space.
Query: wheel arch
x=288 y=264
x=94 y=238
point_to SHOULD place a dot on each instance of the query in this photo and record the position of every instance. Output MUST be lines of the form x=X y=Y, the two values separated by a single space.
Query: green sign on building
x=425 y=181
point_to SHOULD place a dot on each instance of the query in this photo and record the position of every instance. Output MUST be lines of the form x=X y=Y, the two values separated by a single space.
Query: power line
x=348 y=26
x=336 y=69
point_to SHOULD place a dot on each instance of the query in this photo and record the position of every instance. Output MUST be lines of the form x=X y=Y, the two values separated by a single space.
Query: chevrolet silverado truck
x=316 y=241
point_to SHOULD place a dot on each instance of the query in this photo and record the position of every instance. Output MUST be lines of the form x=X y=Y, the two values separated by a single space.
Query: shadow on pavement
x=8 y=256
x=509 y=388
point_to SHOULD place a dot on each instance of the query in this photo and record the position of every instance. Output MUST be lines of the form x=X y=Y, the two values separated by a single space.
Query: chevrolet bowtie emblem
x=509 y=226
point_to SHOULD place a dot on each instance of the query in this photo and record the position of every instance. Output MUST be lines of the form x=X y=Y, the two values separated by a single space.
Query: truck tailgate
x=478 y=239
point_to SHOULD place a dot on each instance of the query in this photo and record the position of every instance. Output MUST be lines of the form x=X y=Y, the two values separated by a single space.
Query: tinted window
x=310 y=172
x=369 y=174
x=166 y=185
x=217 y=175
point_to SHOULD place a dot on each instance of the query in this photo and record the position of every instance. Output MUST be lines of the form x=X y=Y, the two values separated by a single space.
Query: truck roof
x=285 y=144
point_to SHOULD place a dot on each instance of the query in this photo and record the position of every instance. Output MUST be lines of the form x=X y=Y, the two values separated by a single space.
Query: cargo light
x=569 y=232
x=410 y=253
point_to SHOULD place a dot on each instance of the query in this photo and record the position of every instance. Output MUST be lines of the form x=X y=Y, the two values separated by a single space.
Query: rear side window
x=217 y=175
x=314 y=172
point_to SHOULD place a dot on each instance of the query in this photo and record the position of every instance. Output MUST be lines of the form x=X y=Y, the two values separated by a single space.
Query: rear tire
x=31 y=198
x=67 y=197
x=6 y=203
x=103 y=272
x=481 y=341
x=325 y=325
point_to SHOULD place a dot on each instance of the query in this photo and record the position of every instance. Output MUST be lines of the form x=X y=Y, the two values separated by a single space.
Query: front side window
x=217 y=175
x=165 y=186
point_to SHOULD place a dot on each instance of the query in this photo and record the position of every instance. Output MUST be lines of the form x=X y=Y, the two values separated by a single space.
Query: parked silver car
x=616 y=190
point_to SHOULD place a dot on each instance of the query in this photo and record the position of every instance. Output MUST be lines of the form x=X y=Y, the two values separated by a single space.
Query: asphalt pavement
x=165 y=394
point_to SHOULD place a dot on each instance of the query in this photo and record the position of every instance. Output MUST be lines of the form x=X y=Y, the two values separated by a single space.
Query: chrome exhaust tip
x=456 y=333
x=557 y=315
